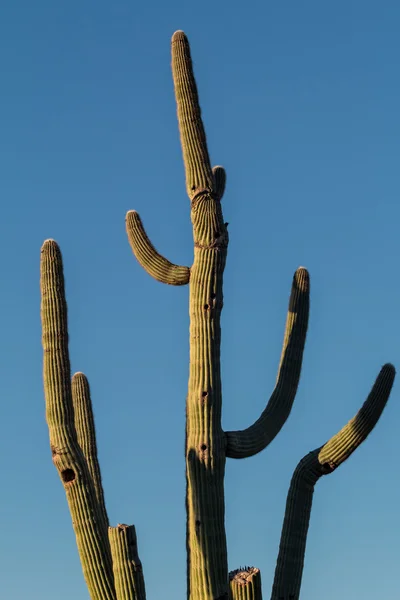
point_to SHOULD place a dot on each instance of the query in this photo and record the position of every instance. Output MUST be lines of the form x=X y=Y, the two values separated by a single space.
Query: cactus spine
x=109 y=555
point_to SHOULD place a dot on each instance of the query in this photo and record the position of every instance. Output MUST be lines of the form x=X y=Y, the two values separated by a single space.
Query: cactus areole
x=109 y=555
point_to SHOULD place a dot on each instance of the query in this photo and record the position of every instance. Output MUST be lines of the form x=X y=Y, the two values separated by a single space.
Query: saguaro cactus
x=109 y=556
x=110 y=563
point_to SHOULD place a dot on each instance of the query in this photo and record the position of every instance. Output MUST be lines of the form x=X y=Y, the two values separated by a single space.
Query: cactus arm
x=199 y=176
x=207 y=566
x=219 y=181
x=322 y=461
x=250 y=441
x=91 y=535
x=156 y=265
x=245 y=584
x=86 y=435
x=128 y=573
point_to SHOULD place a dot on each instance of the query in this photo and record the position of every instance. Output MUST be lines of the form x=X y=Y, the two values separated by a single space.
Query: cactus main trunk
x=205 y=445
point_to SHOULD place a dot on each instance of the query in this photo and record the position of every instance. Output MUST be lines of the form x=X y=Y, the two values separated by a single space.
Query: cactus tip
x=79 y=375
x=131 y=214
x=49 y=242
x=178 y=36
x=302 y=279
x=50 y=248
x=389 y=368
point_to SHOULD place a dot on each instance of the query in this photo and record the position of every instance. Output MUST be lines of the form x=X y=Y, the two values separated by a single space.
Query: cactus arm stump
x=245 y=584
x=127 y=567
x=322 y=461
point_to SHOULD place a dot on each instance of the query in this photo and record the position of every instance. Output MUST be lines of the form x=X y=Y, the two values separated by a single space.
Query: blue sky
x=300 y=103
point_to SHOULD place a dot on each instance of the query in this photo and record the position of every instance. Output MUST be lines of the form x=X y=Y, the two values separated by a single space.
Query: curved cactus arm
x=128 y=572
x=245 y=584
x=156 y=265
x=250 y=441
x=322 y=461
x=86 y=435
x=91 y=535
x=220 y=181
x=199 y=175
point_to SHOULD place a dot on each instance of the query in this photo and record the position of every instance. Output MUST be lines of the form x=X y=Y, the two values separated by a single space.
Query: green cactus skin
x=156 y=265
x=245 y=584
x=86 y=436
x=70 y=421
x=207 y=445
x=322 y=461
x=241 y=444
x=128 y=573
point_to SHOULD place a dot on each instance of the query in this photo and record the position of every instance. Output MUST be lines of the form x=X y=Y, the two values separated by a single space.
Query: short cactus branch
x=245 y=584
x=322 y=461
x=86 y=435
x=68 y=458
x=156 y=265
x=219 y=181
x=250 y=441
x=128 y=573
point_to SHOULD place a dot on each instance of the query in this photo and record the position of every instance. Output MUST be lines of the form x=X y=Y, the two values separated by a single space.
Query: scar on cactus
x=109 y=555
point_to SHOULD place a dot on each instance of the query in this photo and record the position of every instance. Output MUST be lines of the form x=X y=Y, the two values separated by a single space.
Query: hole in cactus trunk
x=68 y=475
x=206 y=307
x=203 y=447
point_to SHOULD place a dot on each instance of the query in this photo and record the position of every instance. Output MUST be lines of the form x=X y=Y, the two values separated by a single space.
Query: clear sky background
x=301 y=105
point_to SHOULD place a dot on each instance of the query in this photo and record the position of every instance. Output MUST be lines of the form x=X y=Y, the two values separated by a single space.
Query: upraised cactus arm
x=250 y=441
x=322 y=461
x=86 y=436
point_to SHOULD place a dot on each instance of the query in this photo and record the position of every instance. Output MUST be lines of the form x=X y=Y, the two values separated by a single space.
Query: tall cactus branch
x=322 y=461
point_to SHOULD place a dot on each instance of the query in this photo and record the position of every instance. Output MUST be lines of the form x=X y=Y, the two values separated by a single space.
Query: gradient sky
x=301 y=105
